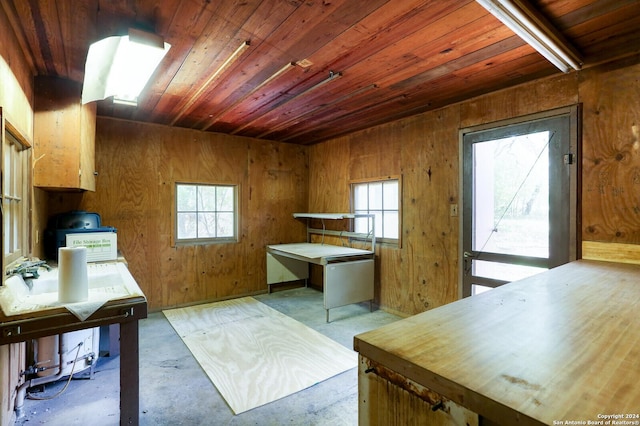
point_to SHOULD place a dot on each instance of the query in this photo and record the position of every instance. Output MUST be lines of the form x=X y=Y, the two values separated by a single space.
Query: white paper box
x=100 y=245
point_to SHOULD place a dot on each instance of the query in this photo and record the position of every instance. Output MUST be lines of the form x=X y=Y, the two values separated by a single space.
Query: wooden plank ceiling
x=379 y=59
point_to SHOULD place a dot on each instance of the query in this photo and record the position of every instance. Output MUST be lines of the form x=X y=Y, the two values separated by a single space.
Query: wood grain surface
x=559 y=346
x=254 y=354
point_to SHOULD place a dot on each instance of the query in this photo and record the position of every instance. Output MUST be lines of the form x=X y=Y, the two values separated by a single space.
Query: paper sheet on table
x=84 y=310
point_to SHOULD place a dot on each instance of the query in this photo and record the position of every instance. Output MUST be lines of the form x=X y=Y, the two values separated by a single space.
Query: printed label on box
x=100 y=245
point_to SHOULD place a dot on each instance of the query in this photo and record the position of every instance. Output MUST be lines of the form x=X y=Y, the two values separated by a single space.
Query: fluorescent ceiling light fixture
x=531 y=26
x=121 y=66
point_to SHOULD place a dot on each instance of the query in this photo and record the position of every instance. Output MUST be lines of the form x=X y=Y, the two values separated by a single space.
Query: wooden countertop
x=560 y=346
x=128 y=305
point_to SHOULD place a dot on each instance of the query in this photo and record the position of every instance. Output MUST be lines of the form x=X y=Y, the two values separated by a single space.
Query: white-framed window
x=206 y=213
x=380 y=197
x=15 y=195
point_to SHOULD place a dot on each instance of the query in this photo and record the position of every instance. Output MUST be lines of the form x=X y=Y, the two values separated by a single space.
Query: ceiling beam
x=213 y=77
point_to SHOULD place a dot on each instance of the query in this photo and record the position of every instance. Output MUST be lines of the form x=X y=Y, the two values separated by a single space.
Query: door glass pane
x=511 y=195
x=478 y=289
x=503 y=271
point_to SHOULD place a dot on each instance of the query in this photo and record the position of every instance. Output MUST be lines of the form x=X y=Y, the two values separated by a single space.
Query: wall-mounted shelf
x=368 y=236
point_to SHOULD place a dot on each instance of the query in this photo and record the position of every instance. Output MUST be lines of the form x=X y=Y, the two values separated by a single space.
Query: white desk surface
x=316 y=252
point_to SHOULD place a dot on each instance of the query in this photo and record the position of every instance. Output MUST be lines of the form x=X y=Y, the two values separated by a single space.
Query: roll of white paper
x=73 y=282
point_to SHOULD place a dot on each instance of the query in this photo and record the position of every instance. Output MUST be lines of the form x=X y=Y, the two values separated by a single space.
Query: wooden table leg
x=129 y=374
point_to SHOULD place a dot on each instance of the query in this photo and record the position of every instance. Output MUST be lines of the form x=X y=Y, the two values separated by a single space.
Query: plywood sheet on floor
x=254 y=354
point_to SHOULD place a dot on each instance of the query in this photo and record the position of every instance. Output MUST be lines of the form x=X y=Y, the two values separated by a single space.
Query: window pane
x=205 y=212
x=375 y=196
x=390 y=223
x=225 y=201
x=206 y=225
x=8 y=170
x=186 y=195
x=186 y=225
x=225 y=225
x=382 y=199
x=206 y=198
x=360 y=198
x=378 y=222
x=390 y=190
x=15 y=166
x=7 y=219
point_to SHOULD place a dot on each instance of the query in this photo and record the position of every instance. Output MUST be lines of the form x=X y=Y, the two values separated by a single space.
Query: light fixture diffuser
x=531 y=26
x=121 y=66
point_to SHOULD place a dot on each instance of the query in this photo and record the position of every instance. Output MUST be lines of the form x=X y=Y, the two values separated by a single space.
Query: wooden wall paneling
x=278 y=186
x=529 y=98
x=430 y=235
x=219 y=267
x=398 y=287
x=427 y=140
x=17 y=106
x=16 y=102
x=424 y=272
x=129 y=196
x=611 y=252
x=391 y=287
x=374 y=160
x=328 y=174
x=140 y=164
x=328 y=188
x=611 y=154
x=221 y=271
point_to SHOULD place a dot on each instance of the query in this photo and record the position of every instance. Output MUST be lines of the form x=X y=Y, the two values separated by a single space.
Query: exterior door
x=519 y=192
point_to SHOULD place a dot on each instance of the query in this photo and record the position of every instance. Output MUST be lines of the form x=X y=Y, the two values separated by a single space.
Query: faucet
x=28 y=270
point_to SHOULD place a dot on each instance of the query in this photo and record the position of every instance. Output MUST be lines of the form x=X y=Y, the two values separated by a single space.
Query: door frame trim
x=575 y=216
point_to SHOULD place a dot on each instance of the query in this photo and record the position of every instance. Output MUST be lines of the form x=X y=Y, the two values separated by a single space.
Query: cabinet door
x=64 y=136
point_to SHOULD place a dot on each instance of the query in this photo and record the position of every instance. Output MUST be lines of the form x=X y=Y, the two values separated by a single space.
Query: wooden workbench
x=560 y=346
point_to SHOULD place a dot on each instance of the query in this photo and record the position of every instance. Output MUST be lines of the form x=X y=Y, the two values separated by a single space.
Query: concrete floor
x=174 y=390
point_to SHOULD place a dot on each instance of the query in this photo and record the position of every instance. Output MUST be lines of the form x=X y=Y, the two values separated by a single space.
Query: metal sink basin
x=107 y=281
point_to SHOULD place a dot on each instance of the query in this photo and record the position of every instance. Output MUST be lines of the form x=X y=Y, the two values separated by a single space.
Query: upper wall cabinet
x=64 y=136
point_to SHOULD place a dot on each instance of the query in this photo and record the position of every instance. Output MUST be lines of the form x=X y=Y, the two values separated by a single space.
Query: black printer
x=73 y=222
